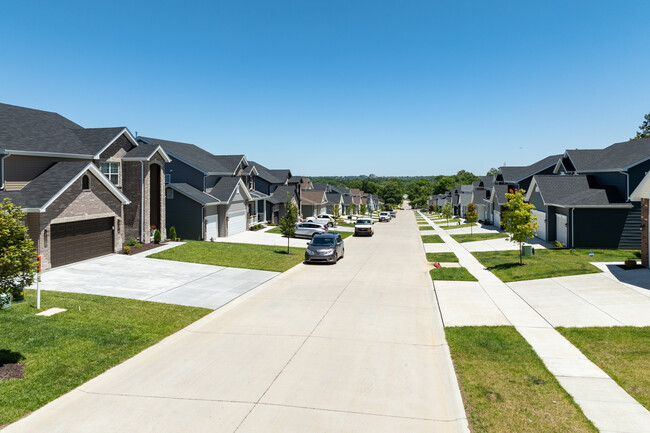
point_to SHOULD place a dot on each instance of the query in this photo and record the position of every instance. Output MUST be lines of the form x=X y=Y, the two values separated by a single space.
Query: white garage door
x=541 y=220
x=236 y=222
x=211 y=227
x=497 y=218
x=562 y=229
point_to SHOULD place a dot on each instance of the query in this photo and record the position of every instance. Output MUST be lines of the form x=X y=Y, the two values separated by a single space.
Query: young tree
x=471 y=215
x=431 y=208
x=518 y=220
x=288 y=221
x=353 y=209
x=336 y=213
x=362 y=209
x=447 y=212
x=17 y=256
x=644 y=129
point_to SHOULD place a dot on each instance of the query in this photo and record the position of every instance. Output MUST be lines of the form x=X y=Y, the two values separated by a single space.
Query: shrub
x=137 y=245
x=156 y=236
x=127 y=249
x=630 y=263
x=172 y=233
x=558 y=245
x=131 y=242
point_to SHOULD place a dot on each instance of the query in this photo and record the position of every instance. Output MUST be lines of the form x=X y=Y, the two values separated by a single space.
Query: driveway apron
x=354 y=347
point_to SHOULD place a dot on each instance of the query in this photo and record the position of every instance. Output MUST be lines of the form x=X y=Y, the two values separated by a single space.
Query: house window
x=170 y=194
x=250 y=183
x=112 y=171
x=168 y=179
x=85 y=183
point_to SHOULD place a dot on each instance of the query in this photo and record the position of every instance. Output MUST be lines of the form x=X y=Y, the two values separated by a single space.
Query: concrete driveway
x=354 y=347
x=138 y=277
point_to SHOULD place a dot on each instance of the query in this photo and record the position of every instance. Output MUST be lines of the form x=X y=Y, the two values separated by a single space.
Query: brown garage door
x=80 y=240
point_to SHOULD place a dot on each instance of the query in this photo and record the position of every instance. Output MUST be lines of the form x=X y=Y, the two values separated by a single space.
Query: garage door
x=236 y=222
x=80 y=240
x=562 y=229
x=541 y=220
x=497 y=218
x=211 y=227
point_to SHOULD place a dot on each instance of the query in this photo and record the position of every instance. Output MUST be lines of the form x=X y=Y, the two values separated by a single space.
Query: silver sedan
x=310 y=229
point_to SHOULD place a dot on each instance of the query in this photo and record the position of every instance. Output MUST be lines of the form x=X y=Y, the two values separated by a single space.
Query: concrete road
x=354 y=347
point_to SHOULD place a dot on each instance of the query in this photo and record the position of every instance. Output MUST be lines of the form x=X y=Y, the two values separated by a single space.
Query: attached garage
x=80 y=240
x=562 y=228
x=211 y=227
x=236 y=221
x=541 y=220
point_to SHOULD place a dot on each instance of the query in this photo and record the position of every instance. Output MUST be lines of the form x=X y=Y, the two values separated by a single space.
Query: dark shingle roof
x=224 y=188
x=499 y=193
x=26 y=129
x=280 y=194
x=229 y=162
x=347 y=199
x=616 y=157
x=576 y=191
x=333 y=197
x=295 y=179
x=283 y=174
x=265 y=173
x=193 y=193
x=320 y=186
x=193 y=155
x=518 y=173
x=143 y=150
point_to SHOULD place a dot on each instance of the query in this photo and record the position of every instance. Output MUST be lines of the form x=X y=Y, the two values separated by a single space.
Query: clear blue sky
x=340 y=87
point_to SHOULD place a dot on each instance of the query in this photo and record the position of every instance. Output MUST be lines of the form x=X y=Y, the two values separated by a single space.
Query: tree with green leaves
x=336 y=213
x=17 y=257
x=644 y=129
x=289 y=221
x=391 y=192
x=363 y=208
x=471 y=215
x=518 y=220
x=352 y=209
x=492 y=172
x=447 y=213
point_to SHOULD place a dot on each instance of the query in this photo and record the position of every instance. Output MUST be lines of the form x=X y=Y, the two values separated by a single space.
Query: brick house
x=85 y=190
x=642 y=194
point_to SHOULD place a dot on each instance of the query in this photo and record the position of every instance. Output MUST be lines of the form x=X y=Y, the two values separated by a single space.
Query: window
x=170 y=194
x=112 y=171
x=168 y=178
x=85 y=183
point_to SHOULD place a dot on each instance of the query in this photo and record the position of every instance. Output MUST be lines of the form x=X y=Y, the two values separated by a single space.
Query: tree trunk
x=521 y=259
x=288 y=245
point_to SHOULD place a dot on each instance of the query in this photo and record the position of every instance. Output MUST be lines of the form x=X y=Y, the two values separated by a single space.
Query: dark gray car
x=326 y=248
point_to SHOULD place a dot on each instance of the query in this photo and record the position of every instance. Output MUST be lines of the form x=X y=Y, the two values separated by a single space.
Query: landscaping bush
x=172 y=233
x=131 y=242
x=127 y=249
x=630 y=263
x=156 y=236
x=558 y=245
x=137 y=245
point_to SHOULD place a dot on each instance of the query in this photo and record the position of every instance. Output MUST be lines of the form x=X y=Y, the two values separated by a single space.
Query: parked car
x=327 y=248
x=384 y=217
x=393 y=214
x=310 y=229
x=326 y=219
x=364 y=227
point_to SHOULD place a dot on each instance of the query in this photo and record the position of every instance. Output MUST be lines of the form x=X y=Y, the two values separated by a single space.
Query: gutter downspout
x=2 y=168
x=627 y=176
x=142 y=201
x=203 y=220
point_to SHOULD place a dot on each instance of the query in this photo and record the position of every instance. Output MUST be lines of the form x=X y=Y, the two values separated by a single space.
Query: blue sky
x=340 y=87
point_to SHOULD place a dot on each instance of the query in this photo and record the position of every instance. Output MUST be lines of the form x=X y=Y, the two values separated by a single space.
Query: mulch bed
x=145 y=247
x=625 y=268
x=12 y=371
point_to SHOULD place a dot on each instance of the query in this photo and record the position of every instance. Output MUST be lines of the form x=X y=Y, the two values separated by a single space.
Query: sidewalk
x=602 y=400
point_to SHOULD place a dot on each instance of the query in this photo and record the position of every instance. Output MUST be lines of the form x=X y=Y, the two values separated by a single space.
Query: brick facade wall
x=645 y=228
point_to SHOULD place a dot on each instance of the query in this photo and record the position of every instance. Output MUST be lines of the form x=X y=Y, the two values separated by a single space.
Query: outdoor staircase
x=631 y=235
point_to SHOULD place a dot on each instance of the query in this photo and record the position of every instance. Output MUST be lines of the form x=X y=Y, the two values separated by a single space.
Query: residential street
x=355 y=347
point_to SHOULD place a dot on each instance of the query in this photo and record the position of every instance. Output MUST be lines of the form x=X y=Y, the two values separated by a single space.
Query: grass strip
x=549 y=263
x=63 y=351
x=505 y=386
x=622 y=352
x=478 y=237
x=261 y=257
x=427 y=227
x=451 y=274
x=432 y=239
x=442 y=257
x=458 y=226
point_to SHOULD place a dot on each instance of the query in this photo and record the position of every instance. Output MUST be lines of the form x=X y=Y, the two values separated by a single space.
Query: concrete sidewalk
x=492 y=302
x=354 y=347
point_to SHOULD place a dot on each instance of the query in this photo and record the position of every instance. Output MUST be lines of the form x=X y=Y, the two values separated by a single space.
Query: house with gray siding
x=641 y=194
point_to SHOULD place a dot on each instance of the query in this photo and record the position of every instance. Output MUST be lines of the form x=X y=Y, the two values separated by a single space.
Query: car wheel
x=342 y=252
x=330 y=225
x=313 y=235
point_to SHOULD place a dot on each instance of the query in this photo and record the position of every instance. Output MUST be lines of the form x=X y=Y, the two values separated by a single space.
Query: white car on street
x=326 y=219
x=364 y=227
x=384 y=217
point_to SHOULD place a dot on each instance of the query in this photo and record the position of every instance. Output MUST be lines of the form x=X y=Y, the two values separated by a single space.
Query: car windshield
x=364 y=222
x=322 y=242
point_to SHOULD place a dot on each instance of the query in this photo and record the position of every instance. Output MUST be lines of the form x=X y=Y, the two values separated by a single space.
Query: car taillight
x=325 y=228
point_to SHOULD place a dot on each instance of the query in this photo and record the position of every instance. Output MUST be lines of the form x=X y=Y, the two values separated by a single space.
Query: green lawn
x=458 y=226
x=344 y=234
x=478 y=237
x=451 y=274
x=275 y=230
x=442 y=257
x=432 y=239
x=549 y=263
x=505 y=386
x=63 y=351
x=427 y=227
x=262 y=257
x=622 y=352
x=451 y=220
